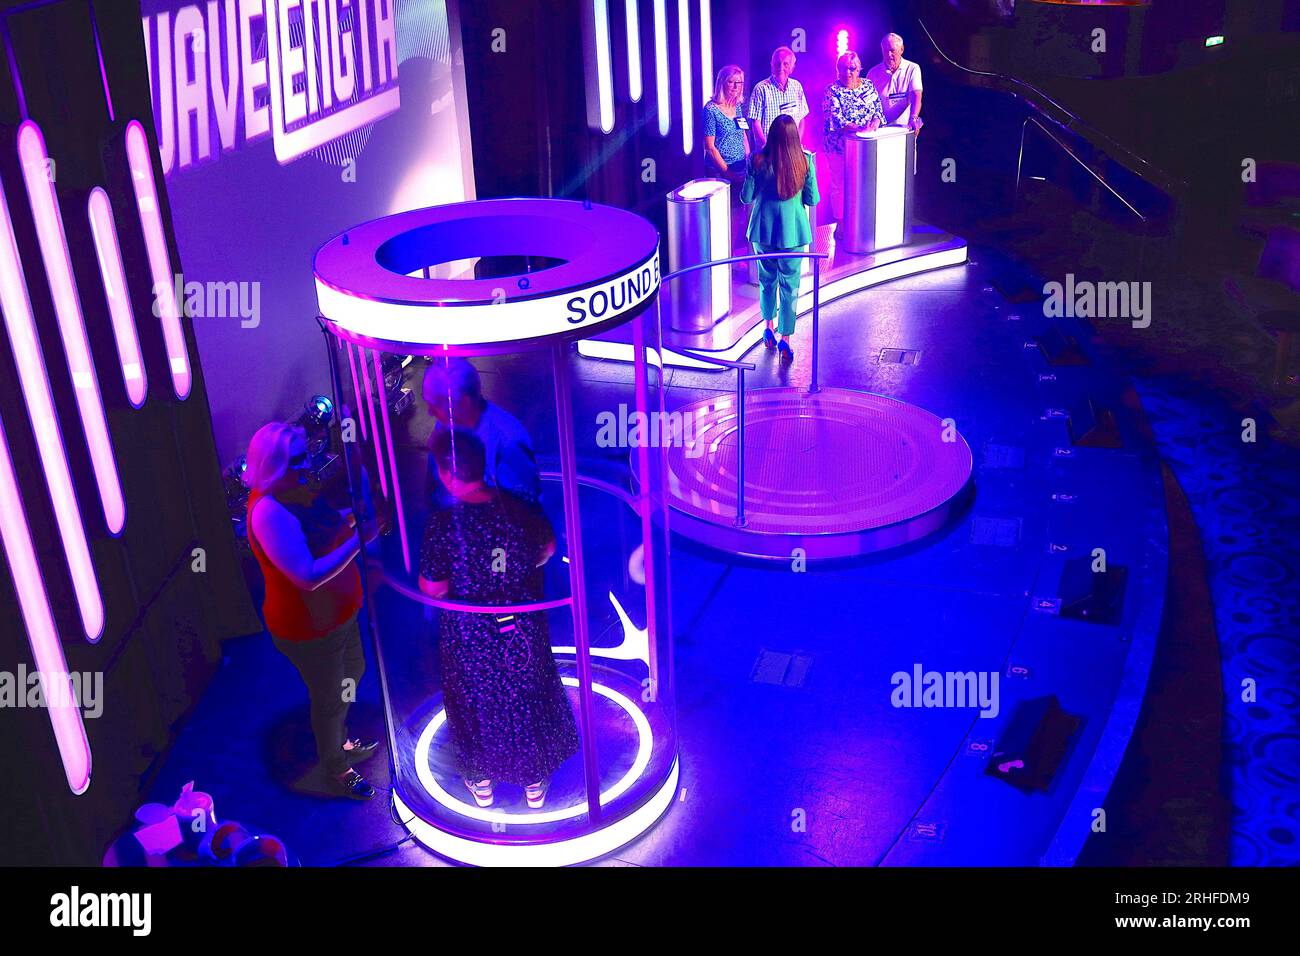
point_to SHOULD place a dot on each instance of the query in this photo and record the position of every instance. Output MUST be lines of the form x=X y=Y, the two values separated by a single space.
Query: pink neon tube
x=392 y=464
x=72 y=324
x=47 y=652
x=356 y=387
x=109 y=253
x=17 y=310
x=160 y=266
x=374 y=427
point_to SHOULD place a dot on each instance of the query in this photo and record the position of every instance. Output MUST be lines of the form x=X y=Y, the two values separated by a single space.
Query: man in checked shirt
x=779 y=93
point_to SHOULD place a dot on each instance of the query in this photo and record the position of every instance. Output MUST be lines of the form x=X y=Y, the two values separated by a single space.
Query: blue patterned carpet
x=1243 y=498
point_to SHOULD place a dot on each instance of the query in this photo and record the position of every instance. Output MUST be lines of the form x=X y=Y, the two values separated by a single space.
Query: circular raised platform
x=836 y=473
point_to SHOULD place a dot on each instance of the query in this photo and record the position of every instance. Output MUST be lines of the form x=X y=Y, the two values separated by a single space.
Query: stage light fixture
x=320 y=409
x=841 y=43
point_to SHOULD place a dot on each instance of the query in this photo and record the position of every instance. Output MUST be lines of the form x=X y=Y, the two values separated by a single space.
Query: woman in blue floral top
x=851 y=104
x=725 y=143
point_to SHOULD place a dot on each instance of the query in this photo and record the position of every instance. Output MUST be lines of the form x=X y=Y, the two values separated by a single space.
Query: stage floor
x=811 y=763
x=836 y=473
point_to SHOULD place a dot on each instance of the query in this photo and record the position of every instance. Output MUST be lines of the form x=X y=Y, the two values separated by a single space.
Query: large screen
x=280 y=124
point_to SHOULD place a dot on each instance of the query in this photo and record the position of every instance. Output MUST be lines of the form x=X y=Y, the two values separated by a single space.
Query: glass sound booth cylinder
x=601 y=600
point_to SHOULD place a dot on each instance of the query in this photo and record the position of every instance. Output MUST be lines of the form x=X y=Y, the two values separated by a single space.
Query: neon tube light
x=356 y=387
x=42 y=636
x=633 y=51
x=604 y=68
x=706 y=50
x=109 y=253
x=160 y=267
x=684 y=69
x=38 y=176
x=662 y=96
x=17 y=309
x=374 y=428
x=392 y=463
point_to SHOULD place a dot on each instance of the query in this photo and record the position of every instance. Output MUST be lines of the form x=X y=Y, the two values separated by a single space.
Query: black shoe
x=786 y=353
x=769 y=340
x=362 y=748
x=353 y=785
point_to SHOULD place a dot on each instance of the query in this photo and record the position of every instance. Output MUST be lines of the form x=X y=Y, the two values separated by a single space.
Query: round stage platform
x=836 y=473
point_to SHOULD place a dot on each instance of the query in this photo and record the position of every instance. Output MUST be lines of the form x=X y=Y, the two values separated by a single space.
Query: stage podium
x=879 y=168
x=699 y=230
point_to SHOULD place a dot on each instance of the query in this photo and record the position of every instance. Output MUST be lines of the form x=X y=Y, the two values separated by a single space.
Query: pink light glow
x=160 y=267
x=374 y=428
x=38 y=176
x=17 y=310
x=356 y=387
x=109 y=253
x=841 y=43
x=392 y=464
x=47 y=652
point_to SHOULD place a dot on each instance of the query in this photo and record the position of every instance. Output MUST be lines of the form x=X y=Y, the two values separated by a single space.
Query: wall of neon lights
x=283 y=122
x=109 y=480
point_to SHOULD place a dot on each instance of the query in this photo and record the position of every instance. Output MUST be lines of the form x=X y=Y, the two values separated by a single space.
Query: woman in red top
x=307 y=551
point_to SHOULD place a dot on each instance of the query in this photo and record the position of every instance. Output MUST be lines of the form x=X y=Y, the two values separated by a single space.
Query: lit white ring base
x=645 y=744
x=579 y=849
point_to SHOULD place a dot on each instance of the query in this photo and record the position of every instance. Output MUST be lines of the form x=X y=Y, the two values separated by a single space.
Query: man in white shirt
x=898 y=82
x=779 y=93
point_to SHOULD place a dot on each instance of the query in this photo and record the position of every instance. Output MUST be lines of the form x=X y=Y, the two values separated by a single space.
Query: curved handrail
x=742 y=367
x=409 y=592
x=750 y=258
x=1072 y=121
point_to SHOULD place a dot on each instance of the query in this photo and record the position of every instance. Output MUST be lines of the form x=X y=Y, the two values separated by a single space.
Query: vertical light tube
x=662 y=95
x=356 y=387
x=604 y=65
x=39 y=179
x=891 y=183
x=392 y=464
x=645 y=499
x=720 y=248
x=109 y=253
x=374 y=428
x=706 y=50
x=633 y=22
x=42 y=636
x=160 y=267
x=684 y=71
x=17 y=309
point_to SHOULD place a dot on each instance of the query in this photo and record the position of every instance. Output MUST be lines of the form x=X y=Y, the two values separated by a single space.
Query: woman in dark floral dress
x=507 y=711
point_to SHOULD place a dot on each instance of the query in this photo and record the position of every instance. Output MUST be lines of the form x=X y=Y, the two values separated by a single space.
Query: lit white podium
x=879 y=169
x=699 y=230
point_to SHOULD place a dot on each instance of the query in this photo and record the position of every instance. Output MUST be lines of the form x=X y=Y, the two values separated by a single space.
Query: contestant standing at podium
x=779 y=94
x=781 y=184
x=850 y=105
x=726 y=143
x=898 y=82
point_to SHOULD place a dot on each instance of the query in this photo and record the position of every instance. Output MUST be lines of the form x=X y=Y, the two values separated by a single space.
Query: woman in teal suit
x=780 y=182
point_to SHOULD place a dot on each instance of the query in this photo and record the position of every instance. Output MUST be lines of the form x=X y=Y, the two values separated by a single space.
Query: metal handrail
x=1074 y=156
x=1071 y=122
x=742 y=367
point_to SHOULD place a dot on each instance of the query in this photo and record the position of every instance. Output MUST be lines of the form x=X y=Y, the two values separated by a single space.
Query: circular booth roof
x=370 y=286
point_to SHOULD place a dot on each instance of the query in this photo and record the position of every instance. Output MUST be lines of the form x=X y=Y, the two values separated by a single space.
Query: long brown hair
x=784 y=155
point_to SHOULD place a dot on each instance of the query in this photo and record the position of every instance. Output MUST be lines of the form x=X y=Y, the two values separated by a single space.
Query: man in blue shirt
x=455 y=397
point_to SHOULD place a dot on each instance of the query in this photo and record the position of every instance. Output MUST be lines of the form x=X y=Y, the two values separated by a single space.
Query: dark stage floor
x=828 y=772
